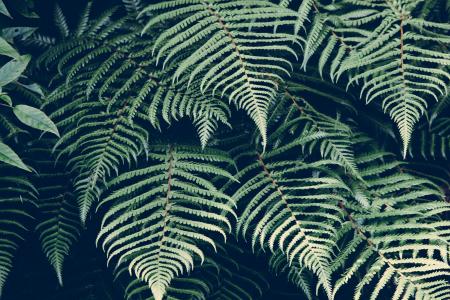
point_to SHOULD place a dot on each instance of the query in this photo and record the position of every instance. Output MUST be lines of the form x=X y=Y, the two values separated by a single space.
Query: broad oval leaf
x=8 y=50
x=7 y=155
x=13 y=69
x=35 y=118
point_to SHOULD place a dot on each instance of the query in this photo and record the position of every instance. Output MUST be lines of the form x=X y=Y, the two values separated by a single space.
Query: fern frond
x=98 y=147
x=159 y=239
x=61 y=22
x=401 y=239
x=221 y=276
x=58 y=226
x=432 y=142
x=397 y=56
x=291 y=205
x=17 y=198
x=336 y=137
x=294 y=272
x=111 y=67
x=230 y=47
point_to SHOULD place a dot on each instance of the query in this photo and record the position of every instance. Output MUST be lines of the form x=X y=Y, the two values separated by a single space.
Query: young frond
x=159 y=220
x=233 y=48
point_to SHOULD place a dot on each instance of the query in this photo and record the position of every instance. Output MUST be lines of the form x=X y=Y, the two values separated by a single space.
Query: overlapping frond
x=233 y=48
x=400 y=58
x=291 y=205
x=401 y=239
x=161 y=215
x=96 y=143
x=331 y=137
x=196 y=286
x=432 y=142
x=294 y=272
x=113 y=62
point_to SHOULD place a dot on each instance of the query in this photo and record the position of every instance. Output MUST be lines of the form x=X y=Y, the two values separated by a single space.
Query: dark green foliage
x=158 y=160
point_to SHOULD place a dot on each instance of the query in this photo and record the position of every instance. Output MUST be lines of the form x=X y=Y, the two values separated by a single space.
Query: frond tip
x=159 y=221
x=233 y=48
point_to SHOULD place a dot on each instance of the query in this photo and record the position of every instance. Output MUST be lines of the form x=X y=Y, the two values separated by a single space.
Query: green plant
x=151 y=102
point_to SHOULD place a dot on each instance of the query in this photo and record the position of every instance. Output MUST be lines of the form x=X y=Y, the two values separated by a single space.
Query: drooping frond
x=236 y=277
x=113 y=62
x=401 y=238
x=96 y=143
x=17 y=198
x=233 y=48
x=291 y=205
x=158 y=221
x=59 y=223
x=399 y=57
x=223 y=275
x=196 y=286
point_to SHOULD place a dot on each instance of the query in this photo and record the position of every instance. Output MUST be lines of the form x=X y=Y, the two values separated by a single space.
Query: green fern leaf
x=17 y=198
x=214 y=42
x=160 y=239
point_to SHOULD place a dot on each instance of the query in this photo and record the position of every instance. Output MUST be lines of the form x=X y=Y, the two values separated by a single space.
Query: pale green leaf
x=7 y=50
x=7 y=155
x=35 y=118
x=13 y=69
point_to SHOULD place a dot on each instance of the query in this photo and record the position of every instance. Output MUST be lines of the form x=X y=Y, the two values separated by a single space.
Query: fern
x=230 y=47
x=221 y=276
x=291 y=206
x=159 y=239
x=401 y=238
x=432 y=142
x=399 y=62
x=335 y=136
x=334 y=210
x=58 y=225
x=294 y=272
x=114 y=64
x=17 y=198
x=97 y=147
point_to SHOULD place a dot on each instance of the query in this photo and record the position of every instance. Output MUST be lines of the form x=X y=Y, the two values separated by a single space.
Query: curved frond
x=59 y=224
x=159 y=221
x=233 y=48
x=400 y=239
x=291 y=205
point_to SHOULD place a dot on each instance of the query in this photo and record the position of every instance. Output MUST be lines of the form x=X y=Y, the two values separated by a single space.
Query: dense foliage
x=191 y=135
